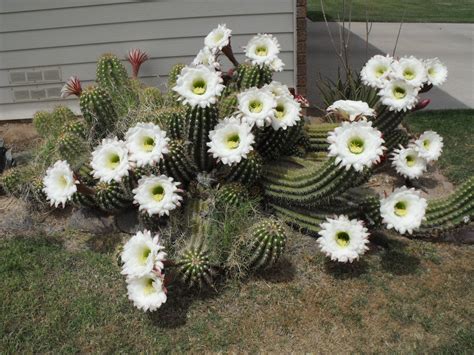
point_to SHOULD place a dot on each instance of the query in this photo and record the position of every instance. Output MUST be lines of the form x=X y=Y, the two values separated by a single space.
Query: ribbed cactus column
x=232 y=194
x=450 y=212
x=111 y=73
x=176 y=162
x=194 y=265
x=43 y=123
x=111 y=197
x=228 y=106
x=248 y=171
x=248 y=75
x=200 y=121
x=98 y=111
x=172 y=96
x=172 y=120
x=151 y=98
x=267 y=243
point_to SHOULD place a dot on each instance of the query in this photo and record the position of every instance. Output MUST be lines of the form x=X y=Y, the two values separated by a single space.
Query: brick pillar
x=301 y=47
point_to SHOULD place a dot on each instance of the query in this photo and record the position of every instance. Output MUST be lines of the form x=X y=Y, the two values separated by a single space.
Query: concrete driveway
x=451 y=43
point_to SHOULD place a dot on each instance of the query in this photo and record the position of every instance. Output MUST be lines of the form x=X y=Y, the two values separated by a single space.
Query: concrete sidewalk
x=451 y=43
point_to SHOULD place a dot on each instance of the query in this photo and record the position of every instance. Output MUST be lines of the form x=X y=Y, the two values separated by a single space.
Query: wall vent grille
x=36 y=76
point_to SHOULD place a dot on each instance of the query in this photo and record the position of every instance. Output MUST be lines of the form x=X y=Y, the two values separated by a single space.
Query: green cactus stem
x=200 y=121
x=267 y=243
x=111 y=197
x=194 y=267
x=232 y=194
x=43 y=123
x=247 y=171
x=446 y=214
x=73 y=148
x=176 y=163
x=98 y=111
x=172 y=120
x=228 y=105
x=111 y=74
x=151 y=98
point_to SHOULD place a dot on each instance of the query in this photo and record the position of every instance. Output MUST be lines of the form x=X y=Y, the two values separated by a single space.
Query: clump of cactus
x=216 y=164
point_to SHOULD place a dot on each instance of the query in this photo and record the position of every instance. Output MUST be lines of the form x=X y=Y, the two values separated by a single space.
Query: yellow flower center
x=408 y=74
x=256 y=106
x=280 y=111
x=148 y=144
x=426 y=143
x=63 y=181
x=261 y=51
x=399 y=92
x=431 y=71
x=380 y=71
x=144 y=255
x=149 y=289
x=233 y=141
x=199 y=87
x=342 y=239
x=218 y=36
x=356 y=145
x=113 y=161
x=158 y=193
x=401 y=209
x=410 y=160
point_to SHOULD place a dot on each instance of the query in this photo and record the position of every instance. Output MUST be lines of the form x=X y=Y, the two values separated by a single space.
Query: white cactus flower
x=157 y=195
x=256 y=106
x=199 y=86
x=410 y=69
x=376 y=71
x=277 y=65
x=110 y=160
x=146 y=143
x=408 y=163
x=342 y=239
x=277 y=89
x=147 y=292
x=436 y=72
x=218 y=38
x=356 y=144
x=262 y=49
x=351 y=110
x=399 y=95
x=287 y=112
x=429 y=146
x=59 y=183
x=142 y=254
x=231 y=141
x=403 y=210
x=206 y=57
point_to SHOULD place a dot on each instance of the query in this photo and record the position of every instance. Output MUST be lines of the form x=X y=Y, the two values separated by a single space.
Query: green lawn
x=409 y=297
x=457 y=129
x=392 y=11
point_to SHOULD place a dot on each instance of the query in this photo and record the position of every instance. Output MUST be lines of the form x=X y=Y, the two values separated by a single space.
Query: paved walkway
x=453 y=44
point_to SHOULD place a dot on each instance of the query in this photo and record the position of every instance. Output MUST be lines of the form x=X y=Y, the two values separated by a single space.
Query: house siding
x=43 y=43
